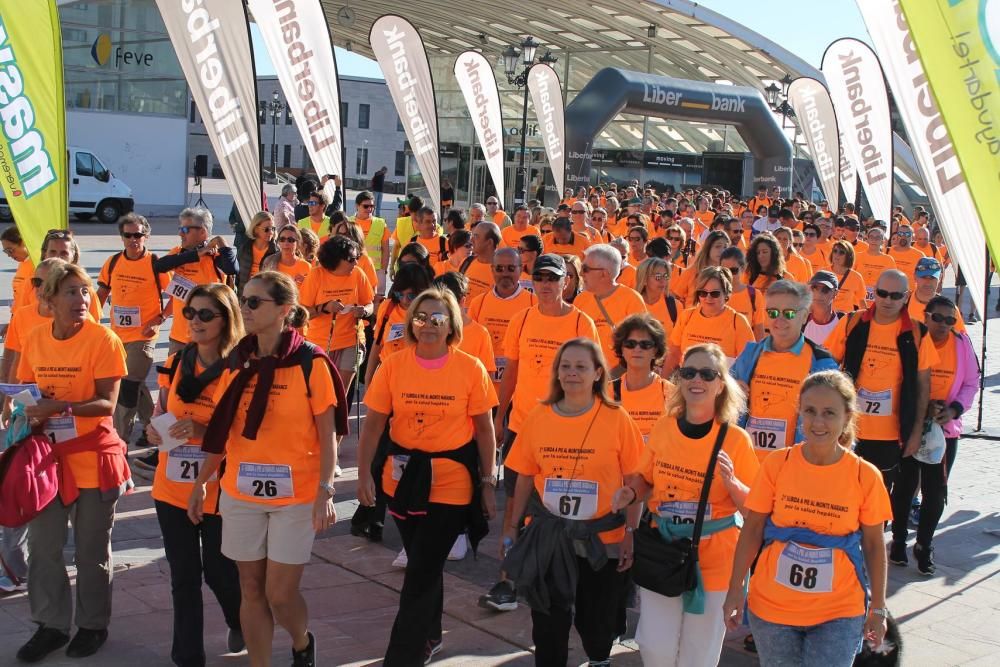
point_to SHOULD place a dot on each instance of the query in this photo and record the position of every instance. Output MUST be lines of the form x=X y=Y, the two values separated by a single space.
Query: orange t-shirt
x=432 y=411
x=752 y=309
x=682 y=286
x=943 y=372
x=871 y=267
x=25 y=319
x=773 y=403
x=627 y=276
x=532 y=339
x=185 y=278
x=512 y=236
x=480 y=275
x=134 y=298
x=729 y=330
x=297 y=271
x=477 y=342
x=620 y=304
x=906 y=261
x=917 y=308
x=177 y=470
x=393 y=337
x=645 y=406
x=67 y=370
x=675 y=466
x=321 y=286
x=495 y=314
x=660 y=311
x=577 y=247
x=368 y=268
x=21 y=284
x=881 y=376
x=852 y=292
x=433 y=245
x=819 y=259
x=799 y=267
x=796 y=584
x=577 y=472
x=257 y=258
x=280 y=467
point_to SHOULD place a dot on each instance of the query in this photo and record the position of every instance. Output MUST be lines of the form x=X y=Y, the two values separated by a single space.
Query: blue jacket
x=745 y=365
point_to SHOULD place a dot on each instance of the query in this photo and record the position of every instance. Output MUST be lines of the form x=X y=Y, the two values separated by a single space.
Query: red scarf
x=113 y=475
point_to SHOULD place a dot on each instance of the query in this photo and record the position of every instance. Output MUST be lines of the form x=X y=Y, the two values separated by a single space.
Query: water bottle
x=507 y=544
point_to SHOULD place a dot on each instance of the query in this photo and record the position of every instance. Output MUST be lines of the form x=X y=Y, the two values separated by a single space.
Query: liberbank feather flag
x=479 y=88
x=930 y=141
x=33 y=120
x=212 y=43
x=298 y=41
x=546 y=97
x=958 y=42
x=857 y=88
x=814 y=111
x=401 y=55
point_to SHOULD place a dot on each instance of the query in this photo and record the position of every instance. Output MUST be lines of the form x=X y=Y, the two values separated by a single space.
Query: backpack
x=671 y=307
x=28 y=480
x=753 y=298
x=152 y=263
x=466 y=264
x=442 y=246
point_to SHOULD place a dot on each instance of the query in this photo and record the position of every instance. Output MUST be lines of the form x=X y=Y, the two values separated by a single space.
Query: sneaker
x=401 y=559
x=433 y=647
x=459 y=548
x=8 y=585
x=897 y=554
x=86 y=642
x=338 y=471
x=307 y=656
x=375 y=532
x=235 y=642
x=147 y=462
x=925 y=559
x=44 y=641
x=914 y=517
x=502 y=597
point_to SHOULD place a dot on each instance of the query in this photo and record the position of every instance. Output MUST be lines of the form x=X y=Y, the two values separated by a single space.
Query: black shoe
x=502 y=597
x=86 y=643
x=359 y=531
x=925 y=559
x=307 y=656
x=235 y=642
x=44 y=641
x=749 y=644
x=432 y=648
x=375 y=533
x=897 y=554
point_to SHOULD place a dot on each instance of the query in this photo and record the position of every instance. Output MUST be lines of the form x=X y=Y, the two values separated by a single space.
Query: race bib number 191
x=180 y=287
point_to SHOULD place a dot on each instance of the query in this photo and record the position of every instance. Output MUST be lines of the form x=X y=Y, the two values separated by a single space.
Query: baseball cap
x=928 y=266
x=549 y=262
x=824 y=277
x=635 y=201
x=773 y=212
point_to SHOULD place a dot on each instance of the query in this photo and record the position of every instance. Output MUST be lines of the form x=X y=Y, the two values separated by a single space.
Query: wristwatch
x=490 y=480
x=879 y=611
x=326 y=486
x=629 y=529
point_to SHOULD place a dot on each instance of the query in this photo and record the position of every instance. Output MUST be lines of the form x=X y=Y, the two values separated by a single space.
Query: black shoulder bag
x=669 y=568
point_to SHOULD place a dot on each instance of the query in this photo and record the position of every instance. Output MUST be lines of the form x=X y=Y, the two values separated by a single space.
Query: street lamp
x=274 y=107
x=777 y=99
x=512 y=58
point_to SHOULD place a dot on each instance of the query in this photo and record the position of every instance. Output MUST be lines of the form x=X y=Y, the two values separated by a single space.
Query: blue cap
x=928 y=266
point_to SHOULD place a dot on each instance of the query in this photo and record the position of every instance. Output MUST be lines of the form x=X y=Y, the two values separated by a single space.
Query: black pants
x=427 y=540
x=365 y=517
x=599 y=616
x=884 y=455
x=509 y=476
x=933 y=482
x=192 y=550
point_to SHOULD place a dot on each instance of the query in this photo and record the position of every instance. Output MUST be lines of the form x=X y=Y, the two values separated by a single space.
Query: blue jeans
x=378 y=203
x=830 y=644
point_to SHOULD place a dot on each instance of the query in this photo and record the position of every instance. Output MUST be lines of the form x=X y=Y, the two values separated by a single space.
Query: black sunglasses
x=203 y=314
x=403 y=296
x=704 y=293
x=133 y=235
x=253 y=302
x=706 y=374
x=886 y=294
x=631 y=344
x=509 y=268
x=287 y=239
x=545 y=277
x=947 y=319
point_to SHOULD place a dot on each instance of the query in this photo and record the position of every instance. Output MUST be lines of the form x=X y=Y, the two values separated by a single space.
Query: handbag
x=671 y=568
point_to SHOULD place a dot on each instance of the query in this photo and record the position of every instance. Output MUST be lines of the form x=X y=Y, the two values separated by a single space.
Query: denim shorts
x=830 y=644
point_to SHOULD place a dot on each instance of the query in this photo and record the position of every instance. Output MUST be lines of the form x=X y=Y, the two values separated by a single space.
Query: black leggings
x=933 y=482
x=884 y=455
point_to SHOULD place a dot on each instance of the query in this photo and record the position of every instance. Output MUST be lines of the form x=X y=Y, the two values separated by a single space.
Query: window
x=261 y=113
x=400 y=163
x=192 y=111
x=364 y=116
x=286 y=159
x=288 y=115
x=362 y=165
x=343 y=114
x=84 y=164
x=262 y=155
x=399 y=124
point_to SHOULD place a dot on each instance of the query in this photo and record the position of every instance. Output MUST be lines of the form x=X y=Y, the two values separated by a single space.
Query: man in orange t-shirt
x=562 y=240
x=485 y=241
x=512 y=234
x=904 y=254
x=495 y=214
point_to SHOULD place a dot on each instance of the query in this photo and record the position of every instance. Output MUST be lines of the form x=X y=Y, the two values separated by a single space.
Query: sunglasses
x=253 y=302
x=368 y=206
x=403 y=296
x=947 y=319
x=577 y=212
x=799 y=244
x=673 y=238
x=631 y=344
x=635 y=239
x=267 y=229
x=904 y=234
x=203 y=314
x=133 y=235
x=434 y=319
x=187 y=228
x=660 y=276
x=787 y=313
x=287 y=239
x=545 y=277
x=886 y=294
x=58 y=234
x=705 y=294
x=313 y=202
x=706 y=374
x=505 y=268
x=493 y=203
x=590 y=269
x=809 y=235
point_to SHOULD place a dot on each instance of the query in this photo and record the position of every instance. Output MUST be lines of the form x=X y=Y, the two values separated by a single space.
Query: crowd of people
x=636 y=369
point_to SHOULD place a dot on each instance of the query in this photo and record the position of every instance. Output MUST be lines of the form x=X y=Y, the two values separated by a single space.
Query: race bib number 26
x=265 y=481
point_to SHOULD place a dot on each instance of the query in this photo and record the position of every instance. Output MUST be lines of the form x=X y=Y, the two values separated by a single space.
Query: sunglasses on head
x=434 y=319
x=631 y=344
x=203 y=314
x=787 y=313
x=886 y=294
x=184 y=229
x=133 y=235
x=689 y=373
x=287 y=239
x=58 y=234
x=947 y=319
x=253 y=302
x=704 y=293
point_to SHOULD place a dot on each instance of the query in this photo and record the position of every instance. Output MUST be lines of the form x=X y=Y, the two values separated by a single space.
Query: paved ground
x=352 y=588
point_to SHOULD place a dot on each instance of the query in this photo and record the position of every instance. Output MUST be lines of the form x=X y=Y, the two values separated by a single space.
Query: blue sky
x=803 y=27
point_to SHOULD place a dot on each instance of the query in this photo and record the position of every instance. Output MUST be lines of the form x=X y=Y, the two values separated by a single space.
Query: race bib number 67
x=574 y=499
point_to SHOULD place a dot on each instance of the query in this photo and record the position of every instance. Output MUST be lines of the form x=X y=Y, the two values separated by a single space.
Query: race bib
x=126 y=317
x=184 y=464
x=60 y=429
x=767 y=434
x=574 y=499
x=679 y=512
x=179 y=287
x=870 y=293
x=805 y=569
x=878 y=403
x=265 y=481
x=395 y=332
x=526 y=283
x=501 y=363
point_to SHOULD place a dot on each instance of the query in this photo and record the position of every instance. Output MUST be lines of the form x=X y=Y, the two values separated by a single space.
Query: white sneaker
x=8 y=585
x=401 y=559
x=337 y=471
x=459 y=548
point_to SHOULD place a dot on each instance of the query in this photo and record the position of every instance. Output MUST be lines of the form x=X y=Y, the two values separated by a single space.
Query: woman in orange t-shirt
x=289 y=259
x=78 y=366
x=252 y=254
x=670 y=478
x=652 y=280
x=13 y=247
x=851 y=285
x=710 y=254
x=440 y=468
x=571 y=454
x=275 y=424
x=640 y=345
x=817 y=509
x=187 y=390
x=765 y=262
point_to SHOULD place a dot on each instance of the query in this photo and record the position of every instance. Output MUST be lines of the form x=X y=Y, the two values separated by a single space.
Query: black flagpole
x=982 y=354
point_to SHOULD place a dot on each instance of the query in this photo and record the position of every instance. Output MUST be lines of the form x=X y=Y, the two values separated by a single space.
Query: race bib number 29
x=126 y=317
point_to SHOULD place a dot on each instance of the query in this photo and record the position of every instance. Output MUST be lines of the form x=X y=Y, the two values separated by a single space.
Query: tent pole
x=982 y=353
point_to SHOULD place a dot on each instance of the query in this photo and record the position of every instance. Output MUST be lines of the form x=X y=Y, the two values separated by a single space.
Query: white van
x=93 y=190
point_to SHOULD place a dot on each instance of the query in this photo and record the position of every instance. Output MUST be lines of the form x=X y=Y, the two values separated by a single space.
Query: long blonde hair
x=600 y=388
x=840 y=383
x=731 y=401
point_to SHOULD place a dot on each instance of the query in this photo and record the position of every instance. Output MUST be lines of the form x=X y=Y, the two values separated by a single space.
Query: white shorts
x=255 y=531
